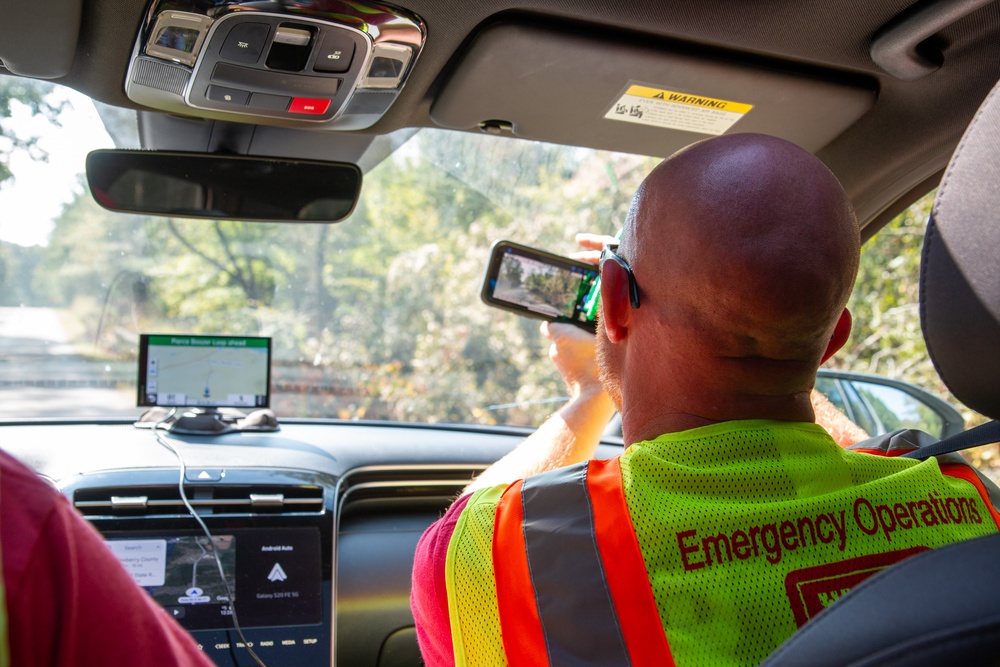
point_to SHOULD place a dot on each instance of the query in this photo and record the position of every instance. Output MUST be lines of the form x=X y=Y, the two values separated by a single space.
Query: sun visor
x=38 y=39
x=538 y=83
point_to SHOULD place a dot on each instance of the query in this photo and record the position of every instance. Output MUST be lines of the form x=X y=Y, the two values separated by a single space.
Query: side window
x=896 y=409
x=830 y=388
x=862 y=413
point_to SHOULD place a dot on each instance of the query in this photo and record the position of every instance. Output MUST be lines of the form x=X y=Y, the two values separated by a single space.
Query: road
x=43 y=375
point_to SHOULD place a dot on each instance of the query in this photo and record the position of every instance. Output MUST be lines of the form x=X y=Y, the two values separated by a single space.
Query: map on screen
x=204 y=371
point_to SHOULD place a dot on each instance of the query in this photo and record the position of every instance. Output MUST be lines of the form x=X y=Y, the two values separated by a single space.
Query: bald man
x=732 y=517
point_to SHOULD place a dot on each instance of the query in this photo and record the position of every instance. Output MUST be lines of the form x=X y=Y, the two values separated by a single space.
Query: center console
x=274 y=542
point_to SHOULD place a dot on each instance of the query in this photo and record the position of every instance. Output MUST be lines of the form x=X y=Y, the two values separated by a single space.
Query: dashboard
x=315 y=524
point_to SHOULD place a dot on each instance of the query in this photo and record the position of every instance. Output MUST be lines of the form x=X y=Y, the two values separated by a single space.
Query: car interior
x=323 y=92
x=957 y=288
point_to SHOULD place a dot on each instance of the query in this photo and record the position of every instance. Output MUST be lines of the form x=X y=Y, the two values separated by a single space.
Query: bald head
x=745 y=249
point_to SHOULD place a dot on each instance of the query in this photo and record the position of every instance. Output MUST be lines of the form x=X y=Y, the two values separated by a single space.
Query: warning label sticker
x=676 y=111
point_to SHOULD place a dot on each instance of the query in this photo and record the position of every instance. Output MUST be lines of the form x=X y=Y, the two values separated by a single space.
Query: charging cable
x=208 y=533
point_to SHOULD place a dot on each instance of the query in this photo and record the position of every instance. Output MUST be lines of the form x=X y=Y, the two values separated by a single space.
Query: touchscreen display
x=274 y=574
x=204 y=371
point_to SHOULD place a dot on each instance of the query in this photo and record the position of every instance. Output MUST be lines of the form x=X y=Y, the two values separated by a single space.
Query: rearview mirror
x=200 y=185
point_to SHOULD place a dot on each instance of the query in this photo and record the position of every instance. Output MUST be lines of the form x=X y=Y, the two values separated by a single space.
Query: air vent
x=222 y=499
x=386 y=489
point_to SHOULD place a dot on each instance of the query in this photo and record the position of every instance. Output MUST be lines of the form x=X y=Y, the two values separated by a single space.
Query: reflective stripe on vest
x=471 y=585
x=965 y=471
x=571 y=582
x=744 y=542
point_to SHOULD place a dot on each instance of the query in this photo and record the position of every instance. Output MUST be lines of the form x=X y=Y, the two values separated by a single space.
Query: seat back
x=939 y=607
x=960 y=267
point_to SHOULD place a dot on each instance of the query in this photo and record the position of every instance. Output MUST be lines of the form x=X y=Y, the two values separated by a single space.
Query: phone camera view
x=204 y=371
x=541 y=285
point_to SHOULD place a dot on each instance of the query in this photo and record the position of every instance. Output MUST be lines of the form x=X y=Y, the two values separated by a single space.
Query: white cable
x=211 y=539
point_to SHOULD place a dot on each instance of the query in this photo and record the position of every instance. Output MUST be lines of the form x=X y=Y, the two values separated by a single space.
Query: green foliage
x=887 y=339
x=88 y=248
x=17 y=267
x=375 y=317
x=556 y=289
x=32 y=95
x=17 y=264
x=380 y=316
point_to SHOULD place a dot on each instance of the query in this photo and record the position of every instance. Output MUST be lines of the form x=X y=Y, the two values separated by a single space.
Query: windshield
x=376 y=317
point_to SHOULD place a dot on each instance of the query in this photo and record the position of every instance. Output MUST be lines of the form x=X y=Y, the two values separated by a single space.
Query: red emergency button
x=309 y=105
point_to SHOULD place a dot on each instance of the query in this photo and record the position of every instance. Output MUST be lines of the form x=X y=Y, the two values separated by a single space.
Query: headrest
x=960 y=267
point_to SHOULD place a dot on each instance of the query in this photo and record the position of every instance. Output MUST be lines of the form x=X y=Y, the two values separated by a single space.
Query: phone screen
x=539 y=284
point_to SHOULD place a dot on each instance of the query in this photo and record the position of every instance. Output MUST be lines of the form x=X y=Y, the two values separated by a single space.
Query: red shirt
x=429 y=595
x=69 y=600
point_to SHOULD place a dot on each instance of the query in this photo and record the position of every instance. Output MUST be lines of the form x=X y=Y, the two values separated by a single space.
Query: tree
x=89 y=246
x=887 y=338
x=34 y=96
x=380 y=315
x=18 y=264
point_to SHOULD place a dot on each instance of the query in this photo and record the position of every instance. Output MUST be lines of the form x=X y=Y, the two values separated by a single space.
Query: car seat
x=942 y=606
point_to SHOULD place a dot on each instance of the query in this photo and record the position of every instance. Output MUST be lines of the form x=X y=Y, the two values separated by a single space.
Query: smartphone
x=542 y=285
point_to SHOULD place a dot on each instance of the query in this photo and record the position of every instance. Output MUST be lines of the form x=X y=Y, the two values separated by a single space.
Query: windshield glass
x=376 y=317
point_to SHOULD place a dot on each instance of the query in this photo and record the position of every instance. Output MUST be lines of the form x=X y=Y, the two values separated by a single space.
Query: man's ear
x=841 y=333
x=615 y=305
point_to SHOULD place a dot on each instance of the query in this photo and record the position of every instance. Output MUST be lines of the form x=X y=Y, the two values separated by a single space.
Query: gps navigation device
x=183 y=371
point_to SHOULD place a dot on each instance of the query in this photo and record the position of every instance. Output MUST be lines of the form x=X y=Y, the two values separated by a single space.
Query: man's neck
x=643 y=420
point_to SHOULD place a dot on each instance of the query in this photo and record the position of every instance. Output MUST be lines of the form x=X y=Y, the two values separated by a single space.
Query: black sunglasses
x=609 y=252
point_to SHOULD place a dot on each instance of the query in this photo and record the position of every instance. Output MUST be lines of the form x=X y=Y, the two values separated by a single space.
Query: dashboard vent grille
x=402 y=488
x=165 y=500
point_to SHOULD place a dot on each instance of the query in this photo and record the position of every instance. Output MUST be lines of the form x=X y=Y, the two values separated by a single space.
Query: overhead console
x=326 y=64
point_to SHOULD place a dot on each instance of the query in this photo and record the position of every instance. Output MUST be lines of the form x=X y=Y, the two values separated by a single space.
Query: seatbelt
x=984 y=434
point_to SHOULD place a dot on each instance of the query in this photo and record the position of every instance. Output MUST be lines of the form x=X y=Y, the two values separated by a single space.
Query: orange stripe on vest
x=520 y=627
x=624 y=567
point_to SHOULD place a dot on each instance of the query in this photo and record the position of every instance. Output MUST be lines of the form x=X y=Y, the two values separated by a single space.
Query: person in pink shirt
x=68 y=601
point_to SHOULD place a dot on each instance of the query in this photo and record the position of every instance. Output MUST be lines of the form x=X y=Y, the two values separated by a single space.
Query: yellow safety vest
x=709 y=546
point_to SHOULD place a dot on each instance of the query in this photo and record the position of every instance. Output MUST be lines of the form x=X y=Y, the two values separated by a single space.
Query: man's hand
x=573 y=351
x=572 y=434
x=594 y=244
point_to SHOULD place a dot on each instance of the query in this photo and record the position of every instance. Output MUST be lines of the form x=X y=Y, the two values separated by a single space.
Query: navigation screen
x=274 y=574
x=204 y=371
